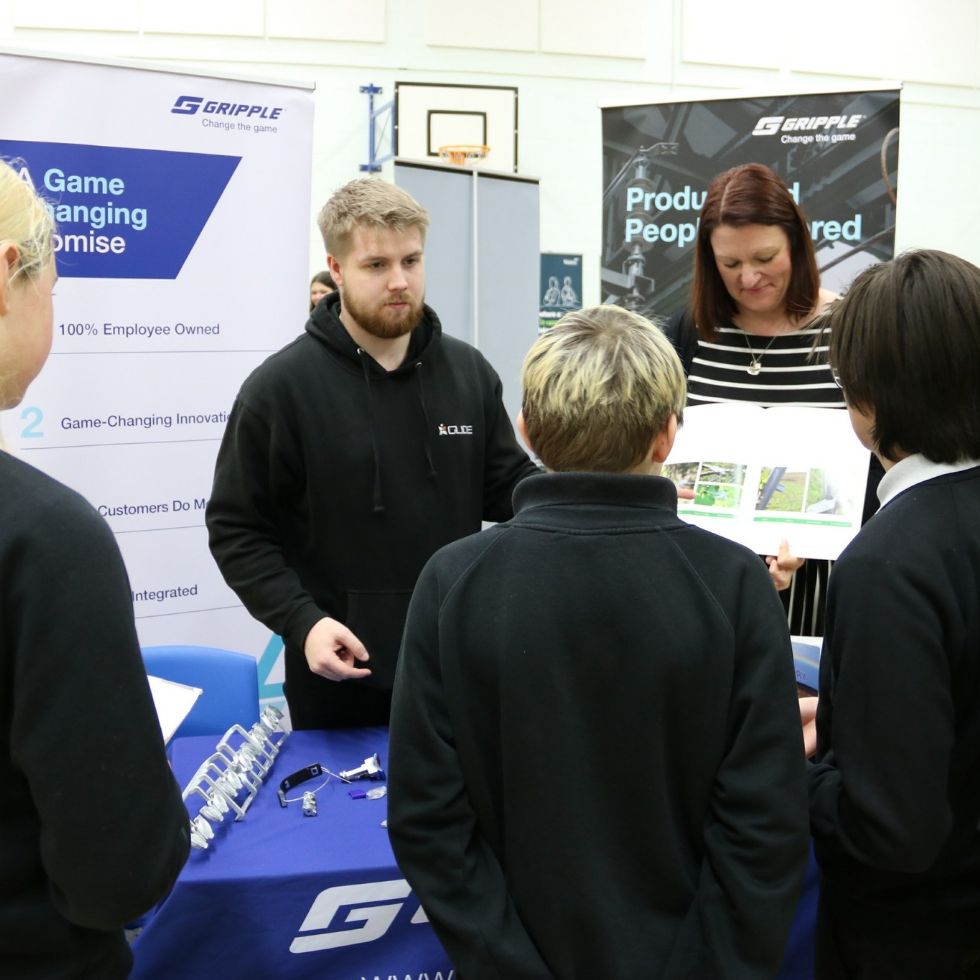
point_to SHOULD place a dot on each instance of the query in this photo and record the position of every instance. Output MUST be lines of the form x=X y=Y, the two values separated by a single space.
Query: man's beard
x=384 y=323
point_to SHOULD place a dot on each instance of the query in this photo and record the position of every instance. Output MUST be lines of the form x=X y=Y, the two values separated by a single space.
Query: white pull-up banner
x=183 y=210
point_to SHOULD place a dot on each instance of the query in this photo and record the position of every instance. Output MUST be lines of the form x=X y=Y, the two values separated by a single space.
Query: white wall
x=568 y=57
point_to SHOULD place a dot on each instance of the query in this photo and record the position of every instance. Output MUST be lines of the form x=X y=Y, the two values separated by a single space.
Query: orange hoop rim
x=459 y=153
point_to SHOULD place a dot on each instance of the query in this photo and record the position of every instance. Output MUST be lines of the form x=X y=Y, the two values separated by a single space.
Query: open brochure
x=173 y=702
x=763 y=474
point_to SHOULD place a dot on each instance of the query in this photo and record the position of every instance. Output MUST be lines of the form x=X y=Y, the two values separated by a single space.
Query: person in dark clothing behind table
x=750 y=336
x=93 y=831
x=352 y=455
x=596 y=765
x=895 y=783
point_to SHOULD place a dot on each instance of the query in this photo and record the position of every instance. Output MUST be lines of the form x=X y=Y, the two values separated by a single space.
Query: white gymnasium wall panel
x=70 y=15
x=611 y=29
x=507 y=25
x=935 y=42
x=722 y=33
x=234 y=18
x=940 y=149
x=327 y=20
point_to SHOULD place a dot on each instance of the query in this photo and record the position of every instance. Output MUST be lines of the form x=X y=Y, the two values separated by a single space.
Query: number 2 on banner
x=33 y=416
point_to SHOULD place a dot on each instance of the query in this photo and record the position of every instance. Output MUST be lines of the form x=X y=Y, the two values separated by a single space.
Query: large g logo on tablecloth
x=377 y=919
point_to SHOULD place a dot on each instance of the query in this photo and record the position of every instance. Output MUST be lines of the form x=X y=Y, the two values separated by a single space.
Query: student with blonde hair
x=92 y=829
x=596 y=766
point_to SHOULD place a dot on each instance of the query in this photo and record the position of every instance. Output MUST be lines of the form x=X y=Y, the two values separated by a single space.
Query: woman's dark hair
x=326 y=279
x=905 y=343
x=750 y=195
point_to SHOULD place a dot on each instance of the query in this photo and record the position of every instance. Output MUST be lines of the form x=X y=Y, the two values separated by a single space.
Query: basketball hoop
x=458 y=153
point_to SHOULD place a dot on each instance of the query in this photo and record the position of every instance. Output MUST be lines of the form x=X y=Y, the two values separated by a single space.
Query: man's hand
x=782 y=566
x=808 y=718
x=332 y=650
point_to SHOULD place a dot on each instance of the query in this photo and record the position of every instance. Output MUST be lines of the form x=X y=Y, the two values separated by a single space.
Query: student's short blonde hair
x=368 y=202
x=598 y=387
x=25 y=222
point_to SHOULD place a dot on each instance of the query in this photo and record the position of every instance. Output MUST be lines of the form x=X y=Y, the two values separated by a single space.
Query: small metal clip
x=309 y=804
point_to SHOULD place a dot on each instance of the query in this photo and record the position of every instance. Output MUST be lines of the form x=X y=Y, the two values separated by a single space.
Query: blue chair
x=229 y=680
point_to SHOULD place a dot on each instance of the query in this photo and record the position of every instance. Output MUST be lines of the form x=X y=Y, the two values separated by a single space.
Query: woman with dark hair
x=321 y=285
x=750 y=334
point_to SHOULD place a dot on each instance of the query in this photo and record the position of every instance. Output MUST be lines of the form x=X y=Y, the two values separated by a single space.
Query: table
x=287 y=896
x=283 y=895
x=798 y=960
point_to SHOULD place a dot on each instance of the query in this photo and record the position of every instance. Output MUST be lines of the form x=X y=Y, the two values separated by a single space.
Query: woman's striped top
x=793 y=370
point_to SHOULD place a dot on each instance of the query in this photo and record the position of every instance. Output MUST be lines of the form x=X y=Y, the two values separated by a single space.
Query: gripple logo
x=770 y=125
x=189 y=105
x=376 y=918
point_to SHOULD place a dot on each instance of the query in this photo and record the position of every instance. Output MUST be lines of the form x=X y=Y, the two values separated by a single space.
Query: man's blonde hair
x=598 y=387
x=369 y=202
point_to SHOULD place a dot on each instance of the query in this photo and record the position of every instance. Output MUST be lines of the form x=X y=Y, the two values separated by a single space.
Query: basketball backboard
x=430 y=116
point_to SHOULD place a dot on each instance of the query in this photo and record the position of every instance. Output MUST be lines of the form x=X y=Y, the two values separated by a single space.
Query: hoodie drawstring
x=428 y=425
x=378 y=503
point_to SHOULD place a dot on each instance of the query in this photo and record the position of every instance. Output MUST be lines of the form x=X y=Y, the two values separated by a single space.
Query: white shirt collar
x=916 y=469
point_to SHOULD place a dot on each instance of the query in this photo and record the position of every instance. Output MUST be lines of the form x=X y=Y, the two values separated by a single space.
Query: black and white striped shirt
x=793 y=371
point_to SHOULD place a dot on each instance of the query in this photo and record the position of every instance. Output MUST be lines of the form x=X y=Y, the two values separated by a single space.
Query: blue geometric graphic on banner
x=123 y=213
x=267 y=663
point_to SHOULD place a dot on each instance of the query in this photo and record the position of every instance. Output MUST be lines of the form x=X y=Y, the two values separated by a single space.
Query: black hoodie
x=336 y=480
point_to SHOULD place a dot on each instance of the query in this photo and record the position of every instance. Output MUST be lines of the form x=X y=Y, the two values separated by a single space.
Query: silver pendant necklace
x=755 y=364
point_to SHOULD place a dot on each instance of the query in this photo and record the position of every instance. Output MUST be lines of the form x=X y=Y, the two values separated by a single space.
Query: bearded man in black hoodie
x=353 y=454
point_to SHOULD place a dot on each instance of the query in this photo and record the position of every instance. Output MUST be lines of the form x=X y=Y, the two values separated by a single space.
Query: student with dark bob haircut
x=894 y=787
x=907 y=345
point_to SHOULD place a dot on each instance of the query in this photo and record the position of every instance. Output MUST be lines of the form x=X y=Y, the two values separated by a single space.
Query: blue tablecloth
x=282 y=895
x=800 y=947
x=287 y=896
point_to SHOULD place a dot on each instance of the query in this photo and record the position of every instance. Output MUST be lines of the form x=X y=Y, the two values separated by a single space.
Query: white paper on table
x=763 y=474
x=173 y=702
